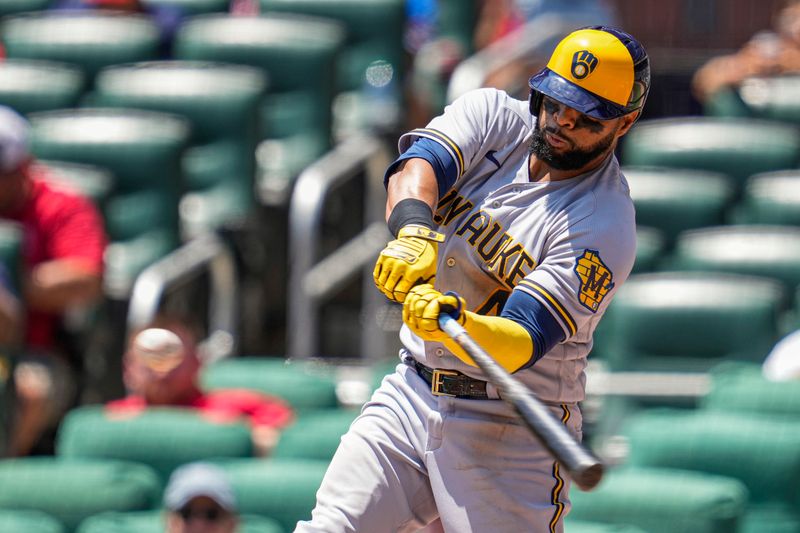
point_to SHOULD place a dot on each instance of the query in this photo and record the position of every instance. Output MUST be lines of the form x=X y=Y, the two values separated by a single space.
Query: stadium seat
x=89 y=39
x=742 y=388
x=28 y=85
x=303 y=385
x=370 y=70
x=738 y=148
x=661 y=500
x=91 y=181
x=221 y=103
x=771 y=198
x=582 y=526
x=768 y=251
x=295 y=117
x=283 y=489
x=153 y=522
x=29 y=522
x=650 y=248
x=690 y=321
x=761 y=452
x=315 y=434
x=12 y=7
x=143 y=151
x=72 y=490
x=674 y=200
x=773 y=98
x=163 y=438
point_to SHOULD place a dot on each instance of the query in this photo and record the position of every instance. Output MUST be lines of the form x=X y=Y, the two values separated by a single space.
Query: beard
x=574 y=159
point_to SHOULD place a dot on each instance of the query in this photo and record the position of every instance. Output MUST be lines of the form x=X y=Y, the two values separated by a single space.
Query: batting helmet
x=600 y=71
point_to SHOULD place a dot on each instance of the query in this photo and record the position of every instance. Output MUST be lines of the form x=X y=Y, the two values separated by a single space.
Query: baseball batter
x=516 y=214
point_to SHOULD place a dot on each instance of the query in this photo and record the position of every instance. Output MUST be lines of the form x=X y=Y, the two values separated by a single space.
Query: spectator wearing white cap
x=62 y=268
x=199 y=498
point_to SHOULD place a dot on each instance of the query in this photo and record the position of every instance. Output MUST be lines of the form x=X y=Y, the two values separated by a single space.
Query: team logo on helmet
x=583 y=63
x=596 y=279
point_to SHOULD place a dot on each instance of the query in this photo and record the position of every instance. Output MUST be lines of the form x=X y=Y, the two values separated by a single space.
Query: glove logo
x=583 y=63
x=596 y=279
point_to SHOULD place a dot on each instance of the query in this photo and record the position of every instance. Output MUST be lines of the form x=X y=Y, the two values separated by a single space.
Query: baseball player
x=520 y=209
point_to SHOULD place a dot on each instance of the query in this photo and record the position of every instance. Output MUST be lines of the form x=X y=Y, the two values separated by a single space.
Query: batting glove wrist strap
x=410 y=211
x=420 y=232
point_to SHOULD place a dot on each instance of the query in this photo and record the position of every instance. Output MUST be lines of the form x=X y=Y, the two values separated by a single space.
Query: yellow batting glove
x=407 y=261
x=422 y=308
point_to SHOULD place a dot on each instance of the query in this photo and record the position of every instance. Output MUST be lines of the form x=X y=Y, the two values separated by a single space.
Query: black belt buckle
x=437 y=381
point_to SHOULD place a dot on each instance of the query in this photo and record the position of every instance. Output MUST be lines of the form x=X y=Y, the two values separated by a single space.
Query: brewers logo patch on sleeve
x=596 y=279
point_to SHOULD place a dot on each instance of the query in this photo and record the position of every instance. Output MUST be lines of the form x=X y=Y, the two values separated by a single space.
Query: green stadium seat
x=773 y=98
x=153 y=522
x=282 y=489
x=661 y=500
x=742 y=388
x=371 y=62
x=650 y=248
x=768 y=251
x=72 y=490
x=761 y=452
x=771 y=198
x=12 y=7
x=581 y=526
x=28 y=85
x=221 y=103
x=738 y=148
x=163 y=438
x=91 y=181
x=295 y=117
x=690 y=321
x=143 y=151
x=89 y=39
x=29 y=522
x=303 y=385
x=189 y=7
x=315 y=434
x=674 y=200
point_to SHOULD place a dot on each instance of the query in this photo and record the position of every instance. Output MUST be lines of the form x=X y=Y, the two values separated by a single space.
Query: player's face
x=566 y=139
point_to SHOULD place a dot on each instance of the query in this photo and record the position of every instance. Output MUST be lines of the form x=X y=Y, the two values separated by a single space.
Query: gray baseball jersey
x=413 y=458
x=570 y=244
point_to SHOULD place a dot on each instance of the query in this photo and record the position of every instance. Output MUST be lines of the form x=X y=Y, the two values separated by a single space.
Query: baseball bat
x=584 y=468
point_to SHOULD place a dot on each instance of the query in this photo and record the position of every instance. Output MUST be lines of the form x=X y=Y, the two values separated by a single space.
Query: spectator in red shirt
x=62 y=253
x=162 y=366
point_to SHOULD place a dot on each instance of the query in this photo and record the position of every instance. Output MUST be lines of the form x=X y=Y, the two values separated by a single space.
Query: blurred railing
x=312 y=279
x=204 y=253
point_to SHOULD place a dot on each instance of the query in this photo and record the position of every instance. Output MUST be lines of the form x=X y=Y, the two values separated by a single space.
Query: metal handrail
x=312 y=279
x=205 y=252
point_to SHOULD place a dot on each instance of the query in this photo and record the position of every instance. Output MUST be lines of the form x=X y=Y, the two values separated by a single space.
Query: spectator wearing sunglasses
x=199 y=498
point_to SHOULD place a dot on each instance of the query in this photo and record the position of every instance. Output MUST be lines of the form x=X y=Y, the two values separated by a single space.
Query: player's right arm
x=409 y=259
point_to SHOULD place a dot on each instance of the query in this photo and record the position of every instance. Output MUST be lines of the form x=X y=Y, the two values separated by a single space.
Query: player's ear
x=626 y=121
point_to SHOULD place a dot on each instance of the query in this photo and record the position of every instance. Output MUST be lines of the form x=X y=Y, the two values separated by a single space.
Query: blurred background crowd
x=191 y=203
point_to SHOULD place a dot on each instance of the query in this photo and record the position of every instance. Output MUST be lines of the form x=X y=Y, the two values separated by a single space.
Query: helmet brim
x=562 y=90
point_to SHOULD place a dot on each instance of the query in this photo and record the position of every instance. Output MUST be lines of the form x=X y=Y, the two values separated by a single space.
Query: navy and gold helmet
x=600 y=71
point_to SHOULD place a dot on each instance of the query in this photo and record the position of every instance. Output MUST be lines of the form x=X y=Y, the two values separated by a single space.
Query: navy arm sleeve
x=529 y=313
x=434 y=153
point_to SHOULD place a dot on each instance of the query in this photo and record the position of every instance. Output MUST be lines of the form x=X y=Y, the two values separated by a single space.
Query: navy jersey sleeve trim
x=434 y=153
x=540 y=323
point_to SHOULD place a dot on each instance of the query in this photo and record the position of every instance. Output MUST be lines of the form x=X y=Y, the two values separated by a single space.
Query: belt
x=452 y=383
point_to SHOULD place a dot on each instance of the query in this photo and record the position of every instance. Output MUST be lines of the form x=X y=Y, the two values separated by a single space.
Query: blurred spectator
x=62 y=252
x=768 y=53
x=199 y=498
x=162 y=367
x=117 y=5
x=783 y=362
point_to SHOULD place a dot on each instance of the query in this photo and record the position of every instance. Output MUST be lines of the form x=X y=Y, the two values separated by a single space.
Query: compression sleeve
x=434 y=153
x=529 y=313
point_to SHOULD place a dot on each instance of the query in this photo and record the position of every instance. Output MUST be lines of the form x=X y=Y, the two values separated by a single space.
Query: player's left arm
x=523 y=333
